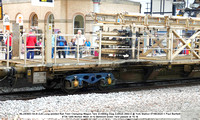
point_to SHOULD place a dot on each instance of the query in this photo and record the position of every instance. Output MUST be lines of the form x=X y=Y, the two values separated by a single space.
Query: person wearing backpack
x=61 y=42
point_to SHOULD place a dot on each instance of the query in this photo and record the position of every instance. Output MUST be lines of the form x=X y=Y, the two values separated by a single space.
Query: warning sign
x=46 y=0
x=6 y=20
x=47 y=3
x=50 y=27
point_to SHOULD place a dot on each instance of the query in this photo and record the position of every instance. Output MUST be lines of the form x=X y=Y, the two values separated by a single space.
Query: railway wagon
x=131 y=48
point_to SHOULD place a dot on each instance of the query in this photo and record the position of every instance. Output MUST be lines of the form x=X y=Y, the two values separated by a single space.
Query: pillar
x=96 y=9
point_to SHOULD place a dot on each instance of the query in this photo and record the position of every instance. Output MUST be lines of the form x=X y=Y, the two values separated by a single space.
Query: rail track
x=34 y=94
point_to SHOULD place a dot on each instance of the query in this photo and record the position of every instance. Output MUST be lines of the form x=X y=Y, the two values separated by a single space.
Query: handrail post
x=192 y=48
x=138 y=53
x=78 y=51
x=20 y=45
x=172 y=46
x=8 y=50
x=100 y=38
x=169 y=43
x=25 y=50
x=42 y=49
x=133 y=47
x=55 y=48
x=133 y=41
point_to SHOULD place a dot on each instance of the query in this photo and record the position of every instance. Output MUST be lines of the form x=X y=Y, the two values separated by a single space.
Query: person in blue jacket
x=53 y=45
x=61 y=42
x=88 y=45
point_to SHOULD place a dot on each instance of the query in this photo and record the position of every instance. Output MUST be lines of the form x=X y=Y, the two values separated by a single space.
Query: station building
x=66 y=15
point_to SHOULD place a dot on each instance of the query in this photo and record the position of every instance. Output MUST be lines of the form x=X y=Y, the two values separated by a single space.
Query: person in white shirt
x=80 y=40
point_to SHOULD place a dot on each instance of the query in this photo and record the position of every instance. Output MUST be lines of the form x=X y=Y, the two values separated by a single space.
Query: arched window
x=78 y=24
x=50 y=20
x=34 y=20
x=19 y=19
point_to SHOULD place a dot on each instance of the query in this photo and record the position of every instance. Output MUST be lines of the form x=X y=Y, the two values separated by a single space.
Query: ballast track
x=28 y=95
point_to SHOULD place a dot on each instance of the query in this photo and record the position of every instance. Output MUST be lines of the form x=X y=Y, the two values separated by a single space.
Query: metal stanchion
x=171 y=52
x=55 y=47
x=20 y=45
x=100 y=38
x=138 y=53
x=192 y=49
x=25 y=50
x=8 y=42
x=78 y=51
x=43 y=49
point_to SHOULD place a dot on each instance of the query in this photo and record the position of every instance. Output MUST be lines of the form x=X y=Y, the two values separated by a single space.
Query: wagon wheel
x=66 y=87
x=50 y=84
x=101 y=85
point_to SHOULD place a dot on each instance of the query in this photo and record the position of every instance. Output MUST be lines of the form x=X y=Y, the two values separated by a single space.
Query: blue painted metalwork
x=90 y=78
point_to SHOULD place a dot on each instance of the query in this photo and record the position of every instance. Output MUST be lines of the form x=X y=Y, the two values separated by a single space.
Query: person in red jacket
x=10 y=46
x=30 y=44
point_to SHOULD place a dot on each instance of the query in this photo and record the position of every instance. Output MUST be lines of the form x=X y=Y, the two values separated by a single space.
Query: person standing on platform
x=72 y=45
x=10 y=46
x=39 y=47
x=61 y=42
x=81 y=40
x=88 y=45
x=30 y=43
x=1 y=40
x=53 y=45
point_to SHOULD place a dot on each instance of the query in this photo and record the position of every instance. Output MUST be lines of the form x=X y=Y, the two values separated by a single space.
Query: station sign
x=45 y=3
x=6 y=20
x=1 y=10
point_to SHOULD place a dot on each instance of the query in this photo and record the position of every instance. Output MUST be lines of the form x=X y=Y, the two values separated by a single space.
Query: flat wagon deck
x=131 y=48
x=92 y=62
